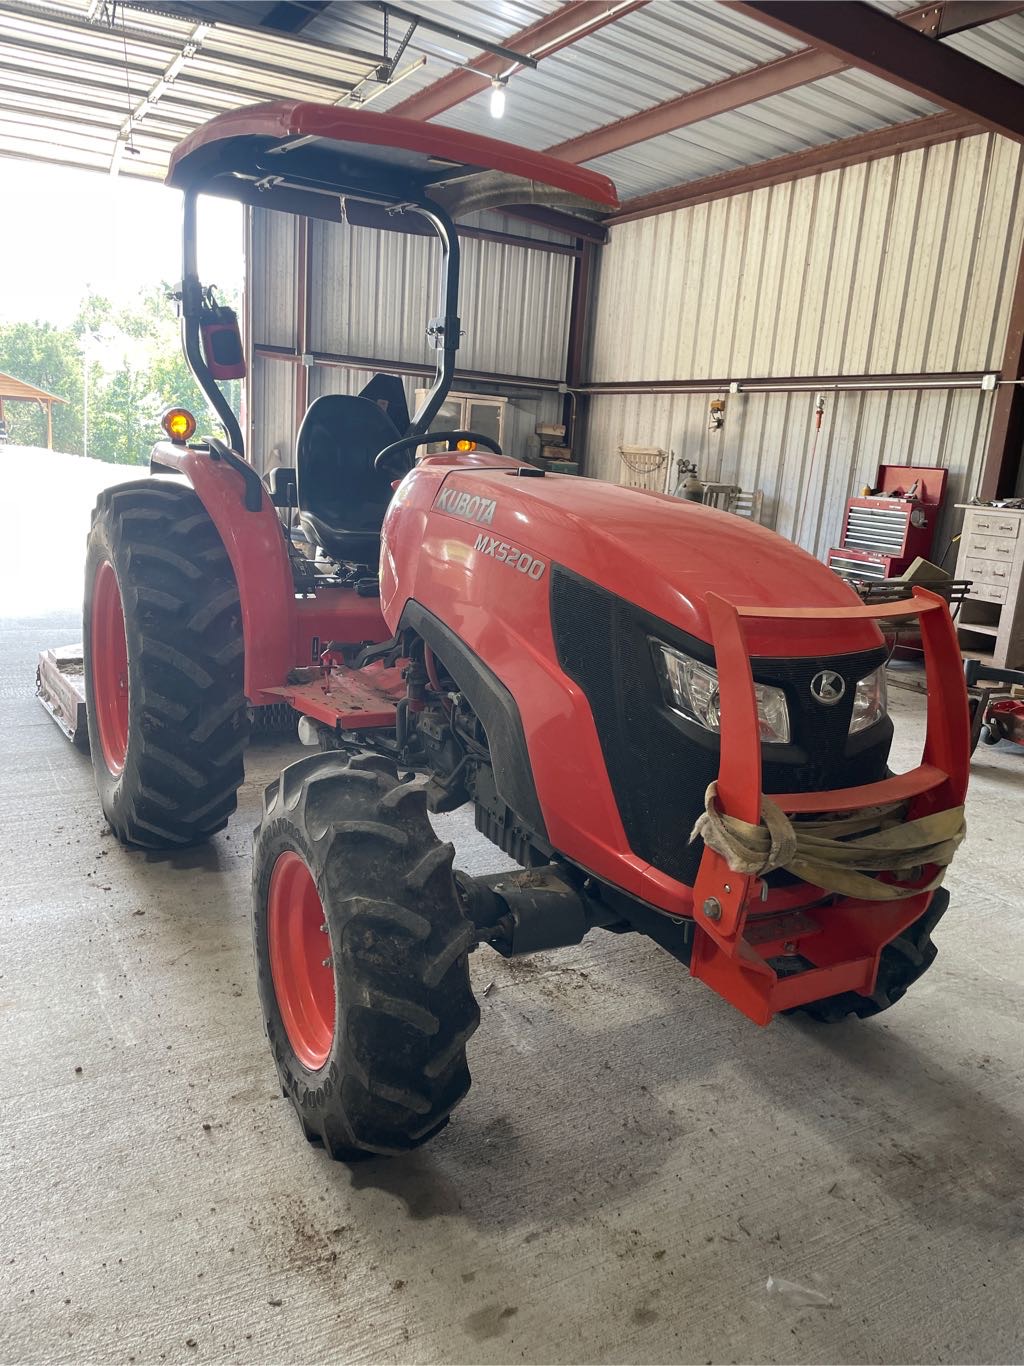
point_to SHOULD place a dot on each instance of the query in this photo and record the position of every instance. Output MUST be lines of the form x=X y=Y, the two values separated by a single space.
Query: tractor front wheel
x=361 y=956
x=162 y=635
x=903 y=961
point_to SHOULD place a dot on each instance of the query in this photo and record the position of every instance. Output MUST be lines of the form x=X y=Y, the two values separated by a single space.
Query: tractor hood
x=663 y=554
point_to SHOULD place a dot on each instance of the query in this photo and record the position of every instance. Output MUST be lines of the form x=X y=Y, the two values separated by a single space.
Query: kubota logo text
x=468 y=505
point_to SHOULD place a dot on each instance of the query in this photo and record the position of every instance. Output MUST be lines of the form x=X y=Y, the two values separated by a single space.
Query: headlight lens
x=691 y=688
x=869 y=701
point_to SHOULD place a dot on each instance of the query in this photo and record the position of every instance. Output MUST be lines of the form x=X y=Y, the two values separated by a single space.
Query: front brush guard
x=844 y=938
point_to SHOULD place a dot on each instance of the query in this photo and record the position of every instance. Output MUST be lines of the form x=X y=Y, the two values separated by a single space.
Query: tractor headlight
x=869 y=701
x=691 y=688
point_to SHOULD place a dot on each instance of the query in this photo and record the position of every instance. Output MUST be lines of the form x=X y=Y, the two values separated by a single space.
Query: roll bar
x=444 y=329
x=191 y=308
x=308 y=158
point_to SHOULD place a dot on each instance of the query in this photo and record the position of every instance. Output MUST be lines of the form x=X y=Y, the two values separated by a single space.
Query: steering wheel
x=409 y=443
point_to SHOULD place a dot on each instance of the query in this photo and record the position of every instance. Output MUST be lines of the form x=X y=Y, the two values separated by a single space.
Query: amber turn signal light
x=465 y=445
x=179 y=424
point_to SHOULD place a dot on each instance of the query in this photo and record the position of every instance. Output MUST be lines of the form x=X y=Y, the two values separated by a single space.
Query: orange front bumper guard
x=844 y=938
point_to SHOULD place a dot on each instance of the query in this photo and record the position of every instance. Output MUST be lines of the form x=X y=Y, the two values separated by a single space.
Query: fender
x=254 y=539
x=496 y=708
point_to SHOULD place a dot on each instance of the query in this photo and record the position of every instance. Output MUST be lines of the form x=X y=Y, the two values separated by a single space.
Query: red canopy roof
x=380 y=140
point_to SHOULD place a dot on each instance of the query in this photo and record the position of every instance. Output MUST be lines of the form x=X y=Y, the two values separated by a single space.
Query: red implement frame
x=844 y=938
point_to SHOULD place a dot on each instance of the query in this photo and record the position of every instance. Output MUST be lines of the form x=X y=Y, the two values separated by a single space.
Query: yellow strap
x=839 y=852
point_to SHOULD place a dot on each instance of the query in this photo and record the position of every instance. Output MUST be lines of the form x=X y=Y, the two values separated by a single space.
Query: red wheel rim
x=109 y=654
x=303 y=985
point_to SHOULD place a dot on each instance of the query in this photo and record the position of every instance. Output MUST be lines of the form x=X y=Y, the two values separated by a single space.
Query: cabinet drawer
x=990 y=547
x=988 y=571
x=987 y=592
x=992 y=524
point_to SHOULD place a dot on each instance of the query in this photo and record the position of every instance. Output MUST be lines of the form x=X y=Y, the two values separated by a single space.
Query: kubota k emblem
x=828 y=687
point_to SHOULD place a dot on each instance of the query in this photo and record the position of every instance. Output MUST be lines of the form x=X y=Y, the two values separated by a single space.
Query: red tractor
x=596 y=669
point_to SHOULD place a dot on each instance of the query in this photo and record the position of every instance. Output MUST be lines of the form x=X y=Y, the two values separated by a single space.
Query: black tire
x=903 y=961
x=398 y=943
x=187 y=722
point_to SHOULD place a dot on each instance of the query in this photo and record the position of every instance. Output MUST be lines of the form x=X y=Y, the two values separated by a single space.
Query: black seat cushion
x=341 y=497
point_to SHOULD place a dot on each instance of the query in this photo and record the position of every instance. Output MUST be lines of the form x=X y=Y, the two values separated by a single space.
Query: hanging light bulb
x=497 y=98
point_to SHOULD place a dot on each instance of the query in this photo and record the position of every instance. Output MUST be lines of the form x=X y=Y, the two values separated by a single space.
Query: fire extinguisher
x=221 y=339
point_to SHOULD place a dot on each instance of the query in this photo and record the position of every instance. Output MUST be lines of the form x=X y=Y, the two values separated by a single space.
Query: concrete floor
x=633 y=1164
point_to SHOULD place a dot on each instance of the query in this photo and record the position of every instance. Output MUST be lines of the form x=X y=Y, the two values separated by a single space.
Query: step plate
x=349 y=699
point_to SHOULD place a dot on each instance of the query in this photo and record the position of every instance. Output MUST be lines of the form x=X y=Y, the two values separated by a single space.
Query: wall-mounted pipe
x=793 y=384
x=415 y=369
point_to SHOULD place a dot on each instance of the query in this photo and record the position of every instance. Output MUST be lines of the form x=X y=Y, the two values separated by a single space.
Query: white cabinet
x=468 y=413
x=991 y=619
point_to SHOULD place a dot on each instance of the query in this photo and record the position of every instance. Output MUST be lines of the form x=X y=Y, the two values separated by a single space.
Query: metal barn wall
x=899 y=265
x=372 y=294
x=522 y=413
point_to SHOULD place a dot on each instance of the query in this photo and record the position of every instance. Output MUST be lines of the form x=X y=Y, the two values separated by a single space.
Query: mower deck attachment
x=60 y=686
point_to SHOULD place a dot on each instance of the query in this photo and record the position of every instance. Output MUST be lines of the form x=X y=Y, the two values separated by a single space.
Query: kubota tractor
x=597 y=670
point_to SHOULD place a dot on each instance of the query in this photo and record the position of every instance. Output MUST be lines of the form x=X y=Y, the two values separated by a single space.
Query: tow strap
x=839 y=853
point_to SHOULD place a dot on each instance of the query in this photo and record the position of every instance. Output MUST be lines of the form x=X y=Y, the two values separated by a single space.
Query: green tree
x=135 y=368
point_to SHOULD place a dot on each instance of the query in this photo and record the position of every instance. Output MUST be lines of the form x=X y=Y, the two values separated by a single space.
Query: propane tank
x=688 y=485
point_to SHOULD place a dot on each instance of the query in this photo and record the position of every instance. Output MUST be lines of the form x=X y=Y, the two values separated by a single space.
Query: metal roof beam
x=549 y=35
x=758 y=83
x=771 y=78
x=450 y=31
x=189 y=48
x=956 y=16
x=832 y=156
x=867 y=38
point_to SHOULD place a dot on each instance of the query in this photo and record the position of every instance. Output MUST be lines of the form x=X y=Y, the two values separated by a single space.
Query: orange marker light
x=465 y=445
x=179 y=424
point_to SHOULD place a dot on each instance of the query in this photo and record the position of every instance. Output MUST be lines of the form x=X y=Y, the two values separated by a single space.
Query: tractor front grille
x=659 y=764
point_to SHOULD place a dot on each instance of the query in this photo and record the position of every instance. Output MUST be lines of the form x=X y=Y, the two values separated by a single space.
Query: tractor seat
x=341 y=497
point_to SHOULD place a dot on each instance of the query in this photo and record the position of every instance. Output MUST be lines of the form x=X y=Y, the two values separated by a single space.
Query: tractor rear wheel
x=162 y=635
x=361 y=956
x=903 y=961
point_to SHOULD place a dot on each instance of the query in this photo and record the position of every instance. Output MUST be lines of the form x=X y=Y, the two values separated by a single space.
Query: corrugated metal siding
x=521 y=414
x=819 y=112
x=372 y=295
x=78 y=75
x=653 y=54
x=767 y=443
x=271 y=396
x=362 y=27
x=999 y=45
x=374 y=292
x=677 y=47
x=272 y=278
x=899 y=265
